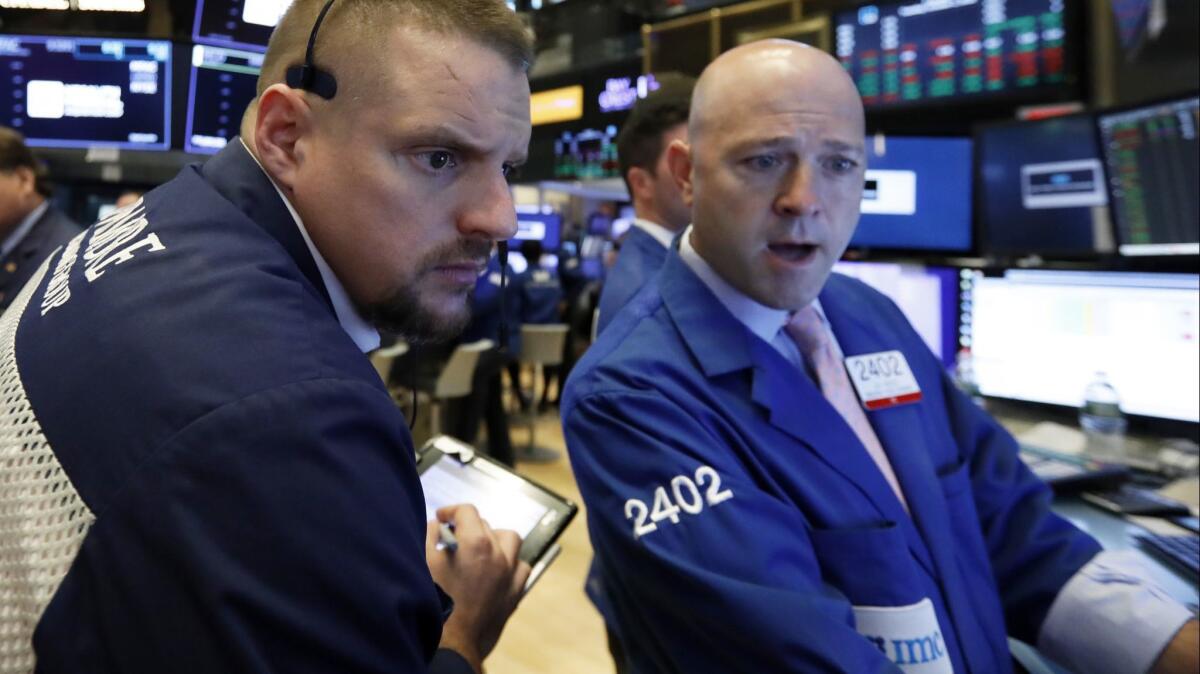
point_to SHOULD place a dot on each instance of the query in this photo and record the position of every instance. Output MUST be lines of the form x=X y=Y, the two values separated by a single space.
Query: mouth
x=793 y=253
x=462 y=272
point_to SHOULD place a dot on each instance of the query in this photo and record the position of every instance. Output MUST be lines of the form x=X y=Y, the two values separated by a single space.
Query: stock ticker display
x=223 y=82
x=918 y=52
x=79 y=92
x=1153 y=160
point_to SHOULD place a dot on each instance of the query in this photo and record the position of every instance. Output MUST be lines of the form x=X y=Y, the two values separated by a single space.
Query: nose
x=489 y=212
x=797 y=196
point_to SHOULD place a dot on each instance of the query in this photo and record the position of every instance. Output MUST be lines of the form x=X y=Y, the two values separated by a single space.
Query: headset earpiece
x=308 y=76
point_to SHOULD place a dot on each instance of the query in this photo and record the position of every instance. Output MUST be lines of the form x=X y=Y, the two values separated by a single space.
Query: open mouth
x=793 y=253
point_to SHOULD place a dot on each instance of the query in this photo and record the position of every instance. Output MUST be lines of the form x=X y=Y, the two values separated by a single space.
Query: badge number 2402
x=685 y=495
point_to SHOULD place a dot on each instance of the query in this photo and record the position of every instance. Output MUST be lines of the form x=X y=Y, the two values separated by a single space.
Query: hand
x=1182 y=654
x=483 y=577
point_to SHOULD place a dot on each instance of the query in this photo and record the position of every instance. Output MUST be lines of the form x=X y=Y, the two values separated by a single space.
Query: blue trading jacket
x=486 y=307
x=239 y=489
x=541 y=293
x=641 y=257
x=762 y=570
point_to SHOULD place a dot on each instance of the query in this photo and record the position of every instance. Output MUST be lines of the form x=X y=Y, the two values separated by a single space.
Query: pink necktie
x=811 y=334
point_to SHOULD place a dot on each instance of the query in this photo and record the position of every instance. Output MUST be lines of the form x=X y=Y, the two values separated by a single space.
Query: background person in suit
x=655 y=122
x=30 y=226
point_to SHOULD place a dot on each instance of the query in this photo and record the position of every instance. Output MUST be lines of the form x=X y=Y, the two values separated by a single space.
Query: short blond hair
x=349 y=22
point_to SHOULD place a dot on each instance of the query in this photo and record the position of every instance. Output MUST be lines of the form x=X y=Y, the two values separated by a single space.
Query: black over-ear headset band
x=308 y=76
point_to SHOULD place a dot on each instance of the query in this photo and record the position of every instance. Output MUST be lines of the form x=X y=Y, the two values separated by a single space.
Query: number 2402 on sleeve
x=684 y=496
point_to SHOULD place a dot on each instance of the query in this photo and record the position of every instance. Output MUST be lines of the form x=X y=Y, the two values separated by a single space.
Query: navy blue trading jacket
x=237 y=491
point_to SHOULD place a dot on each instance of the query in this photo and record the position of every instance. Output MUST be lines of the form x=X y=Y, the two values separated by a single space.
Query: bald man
x=752 y=509
x=202 y=471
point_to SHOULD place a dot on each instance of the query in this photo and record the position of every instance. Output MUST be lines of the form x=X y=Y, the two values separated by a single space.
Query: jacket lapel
x=790 y=401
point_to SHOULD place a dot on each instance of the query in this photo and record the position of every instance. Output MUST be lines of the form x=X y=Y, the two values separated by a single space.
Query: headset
x=308 y=77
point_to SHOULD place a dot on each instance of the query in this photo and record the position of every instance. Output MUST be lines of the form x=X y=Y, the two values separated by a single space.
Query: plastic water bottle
x=1100 y=414
x=964 y=376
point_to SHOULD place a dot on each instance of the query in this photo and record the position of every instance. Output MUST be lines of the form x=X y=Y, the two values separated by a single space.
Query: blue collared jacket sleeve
x=1033 y=551
x=733 y=586
x=283 y=532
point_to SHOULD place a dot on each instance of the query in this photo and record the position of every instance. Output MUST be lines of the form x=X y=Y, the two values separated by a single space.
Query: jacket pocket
x=871 y=566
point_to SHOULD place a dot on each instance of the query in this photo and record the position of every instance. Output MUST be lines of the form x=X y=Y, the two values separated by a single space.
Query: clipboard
x=453 y=472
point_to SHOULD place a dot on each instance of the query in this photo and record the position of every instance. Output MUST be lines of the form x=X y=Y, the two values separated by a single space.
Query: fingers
x=520 y=577
x=509 y=543
x=467 y=522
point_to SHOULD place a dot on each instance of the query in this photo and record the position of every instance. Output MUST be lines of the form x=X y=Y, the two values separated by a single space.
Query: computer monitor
x=586 y=154
x=237 y=23
x=903 y=53
x=223 y=82
x=1042 y=336
x=1041 y=188
x=544 y=227
x=917 y=194
x=1153 y=160
x=85 y=91
x=928 y=297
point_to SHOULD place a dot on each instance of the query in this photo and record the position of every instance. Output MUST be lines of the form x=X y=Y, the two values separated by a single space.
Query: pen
x=446 y=538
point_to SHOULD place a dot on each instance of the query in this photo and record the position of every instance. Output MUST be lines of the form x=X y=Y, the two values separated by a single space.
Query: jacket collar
x=235 y=174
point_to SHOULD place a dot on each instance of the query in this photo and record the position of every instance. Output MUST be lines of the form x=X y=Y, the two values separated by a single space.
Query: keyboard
x=1182 y=551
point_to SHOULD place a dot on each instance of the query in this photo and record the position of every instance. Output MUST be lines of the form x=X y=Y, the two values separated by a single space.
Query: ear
x=679 y=162
x=284 y=119
x=640 y=182
x=26 y=180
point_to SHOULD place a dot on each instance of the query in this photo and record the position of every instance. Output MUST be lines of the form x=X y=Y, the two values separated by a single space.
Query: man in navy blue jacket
x=748 y=510
x=655 y=122
x=202 y=471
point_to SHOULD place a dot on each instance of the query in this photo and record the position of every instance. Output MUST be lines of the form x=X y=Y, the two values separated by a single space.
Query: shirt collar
x=661 y=234
x=359 y=330
x=758 y=318
x=22 y=229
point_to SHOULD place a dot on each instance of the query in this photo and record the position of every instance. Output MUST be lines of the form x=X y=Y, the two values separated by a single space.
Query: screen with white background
x=1042 y=336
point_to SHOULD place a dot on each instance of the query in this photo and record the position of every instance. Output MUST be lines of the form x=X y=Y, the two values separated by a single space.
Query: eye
x=763 y=162
x=841 y=164
x=438 y=160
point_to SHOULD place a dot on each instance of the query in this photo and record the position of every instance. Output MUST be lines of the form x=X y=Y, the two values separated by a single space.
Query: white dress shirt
x=661 y=234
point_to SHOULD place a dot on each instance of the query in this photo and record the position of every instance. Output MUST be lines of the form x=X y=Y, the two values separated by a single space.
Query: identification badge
x=909 y=636
x=883 y=380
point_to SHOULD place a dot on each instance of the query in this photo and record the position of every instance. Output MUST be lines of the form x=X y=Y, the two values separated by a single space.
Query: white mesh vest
x=42 y=519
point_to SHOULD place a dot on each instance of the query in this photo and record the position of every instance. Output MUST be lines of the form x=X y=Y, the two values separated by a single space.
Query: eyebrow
x=447 y=135
x=778 y=141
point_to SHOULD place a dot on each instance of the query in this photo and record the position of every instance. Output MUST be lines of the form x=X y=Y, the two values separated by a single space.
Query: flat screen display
x=544 y=227
x=908 y=53
x=237 y=23
x=1043 y=336
x=928 y=297
x=917 y=194
x=1153 y=160
x=1041 y=187
x=223 y=82
x=82 y=91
